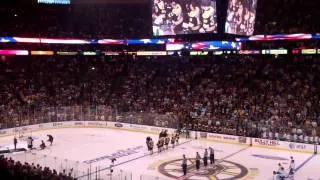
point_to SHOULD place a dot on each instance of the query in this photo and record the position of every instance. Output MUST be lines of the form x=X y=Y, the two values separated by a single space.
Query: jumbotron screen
x=241 y=15
x=171 y=17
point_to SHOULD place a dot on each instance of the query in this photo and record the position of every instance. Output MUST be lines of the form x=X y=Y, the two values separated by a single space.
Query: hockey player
x=279 y=167
x=205 y=158
x=42 y=145
x=15 y=142
x=173 y=140
x=282 y=174
x=30 y=143
x=166 y=142
x=161 y=134
x=292 y=167
x=50 y=139
x=148 y=139
x=151 y=144
x=162 y=143
x=159 y=145
x=208 y=17
x=211 y=155
x=177 y=138
x=291 y=158
x=176 y=17
x=187 y=134
x=193 y=23
x=159 y=13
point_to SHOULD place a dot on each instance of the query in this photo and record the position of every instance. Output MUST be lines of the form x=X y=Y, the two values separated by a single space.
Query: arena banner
x=283 y=145
x=6 y=132
x=265 y=142
x=98 y=124
x=203 y=135
x=137 y=127
x=300 y=147
x=45 y=126
x=155 y=129
x=30 y=128
x=243 y=140
x=79 y=124
x=57 y=124
x=223 y=138
x=114 y=125
x=149 y=129
x=65 y=124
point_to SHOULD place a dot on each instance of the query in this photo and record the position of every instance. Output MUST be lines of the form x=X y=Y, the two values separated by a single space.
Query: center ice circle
x=222 y=170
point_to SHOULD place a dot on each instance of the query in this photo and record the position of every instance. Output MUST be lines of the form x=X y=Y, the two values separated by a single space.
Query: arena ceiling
x=108 y=1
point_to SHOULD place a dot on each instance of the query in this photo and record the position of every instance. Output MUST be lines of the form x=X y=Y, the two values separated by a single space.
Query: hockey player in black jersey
x=166 y=142
x=50 y=139
x=173 y=141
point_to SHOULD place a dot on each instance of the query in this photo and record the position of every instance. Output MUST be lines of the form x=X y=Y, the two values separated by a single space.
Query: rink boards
x=254 y=142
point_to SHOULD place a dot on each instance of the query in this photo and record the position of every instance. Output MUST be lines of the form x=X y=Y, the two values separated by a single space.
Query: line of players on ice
x=163 y=141
x=30 y=142
x=282 y=174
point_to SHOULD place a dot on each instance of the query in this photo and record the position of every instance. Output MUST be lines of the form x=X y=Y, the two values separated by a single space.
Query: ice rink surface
x=90 y=150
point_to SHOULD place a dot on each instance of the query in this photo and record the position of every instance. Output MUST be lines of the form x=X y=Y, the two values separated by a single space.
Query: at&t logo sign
x=297 y=146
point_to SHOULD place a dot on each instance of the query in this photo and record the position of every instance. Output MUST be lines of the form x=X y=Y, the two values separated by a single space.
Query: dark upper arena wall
x=17 y=2
x=107 y=1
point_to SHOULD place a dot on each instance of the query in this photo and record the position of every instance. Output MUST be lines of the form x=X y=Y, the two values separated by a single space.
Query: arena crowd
x=12 y=170
x=276 y=98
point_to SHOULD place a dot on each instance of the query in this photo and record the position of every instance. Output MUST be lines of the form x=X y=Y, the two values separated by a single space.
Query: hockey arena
x=159 y=90
x=119 y=151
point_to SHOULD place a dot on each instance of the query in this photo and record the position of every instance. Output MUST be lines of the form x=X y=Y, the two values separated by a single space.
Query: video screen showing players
x=171 y=17
x=241 y=15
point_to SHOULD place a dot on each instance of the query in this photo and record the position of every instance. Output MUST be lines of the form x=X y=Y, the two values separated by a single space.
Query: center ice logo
x=116 y=155
x=222 y=170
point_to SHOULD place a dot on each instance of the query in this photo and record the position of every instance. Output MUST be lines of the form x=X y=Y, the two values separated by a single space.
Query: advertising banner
x=203 y=135
x=14 y=52
x=97 y=124
x=199 y=53
x=242 y=140
x=249 y=52
x=283 y=145
x=6 y=132
x=54 y=1
x=223 y=138
x=44 y=53
x=301 y=147
x=151 y=53
x=265 y=142
x=65 y=53
x=275 y=51
x=309 y=51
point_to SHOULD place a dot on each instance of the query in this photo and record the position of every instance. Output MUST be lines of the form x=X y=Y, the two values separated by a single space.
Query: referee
x=184 y=165
x=211 y=155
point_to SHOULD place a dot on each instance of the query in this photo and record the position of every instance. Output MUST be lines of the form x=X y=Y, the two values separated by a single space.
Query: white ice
x=73 y=146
